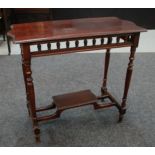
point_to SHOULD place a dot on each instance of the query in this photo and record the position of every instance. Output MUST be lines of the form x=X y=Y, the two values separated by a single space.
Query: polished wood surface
x=65 y=29
x=76 y=99
x=111 y=33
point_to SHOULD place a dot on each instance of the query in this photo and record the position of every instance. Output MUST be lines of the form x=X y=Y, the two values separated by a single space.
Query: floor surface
x=82 y=126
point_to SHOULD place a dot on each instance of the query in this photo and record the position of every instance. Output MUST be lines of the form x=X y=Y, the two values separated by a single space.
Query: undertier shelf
x=76 y=99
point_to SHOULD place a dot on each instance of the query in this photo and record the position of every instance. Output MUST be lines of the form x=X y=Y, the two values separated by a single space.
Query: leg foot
x=37 y=139
x=120 y=118
x=37 y=134
x=121 y=115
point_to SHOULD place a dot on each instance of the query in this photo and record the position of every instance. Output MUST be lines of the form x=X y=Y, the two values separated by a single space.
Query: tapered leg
x=26 y=60
x=106 y=67
x=127 y=82
x=107 y=59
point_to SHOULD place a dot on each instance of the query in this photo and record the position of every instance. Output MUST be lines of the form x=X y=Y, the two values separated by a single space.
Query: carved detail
x=85 y=42
x=39 y=47
x=102 y=41
x=118 y=39
x=49 y=46
x=58 y=45
x=77 y=43
x=127 y=42
x=67 y=44
x=130 y=65
x=109 y=40
x=37 y=133
x=94 y=41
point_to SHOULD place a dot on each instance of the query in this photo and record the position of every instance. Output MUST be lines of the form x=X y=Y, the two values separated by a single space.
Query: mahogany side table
x=112 y=33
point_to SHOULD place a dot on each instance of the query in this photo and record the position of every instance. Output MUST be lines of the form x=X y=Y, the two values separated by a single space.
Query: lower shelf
x=76 y=99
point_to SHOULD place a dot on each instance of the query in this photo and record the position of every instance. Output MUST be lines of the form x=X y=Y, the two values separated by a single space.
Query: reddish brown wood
x=26 y=58
x=44 y=108
x=78 y=49
x=107 y=59
x=49 y=32
x=73 y=100
x=103 y=106
x=66 y=29
x=76 y=99
x=135 y=40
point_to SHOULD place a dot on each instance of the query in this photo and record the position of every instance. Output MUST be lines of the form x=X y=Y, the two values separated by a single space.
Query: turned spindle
x=94 y=41
x=39 y=47
x=58 y=45
x=67 y=44
x=76 y=43
x=102 y=41
x=109 y=40
x=49 y=46
x=85 y=42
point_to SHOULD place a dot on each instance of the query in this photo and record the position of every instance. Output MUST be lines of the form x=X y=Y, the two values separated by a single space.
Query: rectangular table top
x=71 y=29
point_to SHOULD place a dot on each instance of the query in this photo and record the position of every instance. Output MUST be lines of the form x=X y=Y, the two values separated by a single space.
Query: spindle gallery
x=111 y=32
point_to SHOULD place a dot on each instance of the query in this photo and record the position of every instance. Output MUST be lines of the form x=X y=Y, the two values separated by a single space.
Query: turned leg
x=26 y=59
x=26 y=89
x=127 y=82
x=27 y=93
x=106 y=66
x=135 y=40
